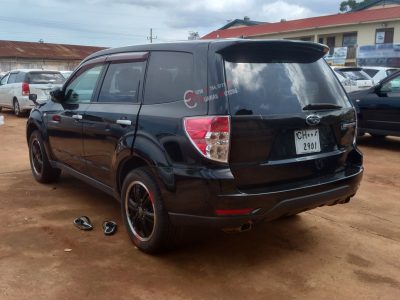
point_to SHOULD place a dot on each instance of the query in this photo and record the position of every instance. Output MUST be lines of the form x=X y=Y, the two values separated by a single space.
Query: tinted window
x=45 y=77
x=169 y=76
x=82 y=87
x=12 y=77
x=371 y=72
x=280 y=88
x=122 y=82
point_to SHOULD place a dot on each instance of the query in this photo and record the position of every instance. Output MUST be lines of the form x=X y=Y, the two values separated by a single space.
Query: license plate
x=307 y=141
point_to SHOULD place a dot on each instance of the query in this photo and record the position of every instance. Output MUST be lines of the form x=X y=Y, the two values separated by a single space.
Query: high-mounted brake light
x=210 y=136
x=25 y=89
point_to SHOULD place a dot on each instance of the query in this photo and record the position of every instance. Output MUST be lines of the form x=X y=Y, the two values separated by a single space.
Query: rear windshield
x=355 y=75
x=45 y=77
x=281 y=88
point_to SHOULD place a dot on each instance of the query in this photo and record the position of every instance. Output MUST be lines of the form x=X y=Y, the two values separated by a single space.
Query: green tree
x=348 y=5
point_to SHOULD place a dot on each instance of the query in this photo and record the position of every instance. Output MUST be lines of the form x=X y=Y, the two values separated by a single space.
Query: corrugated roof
x=363 y=16
x=45 y=50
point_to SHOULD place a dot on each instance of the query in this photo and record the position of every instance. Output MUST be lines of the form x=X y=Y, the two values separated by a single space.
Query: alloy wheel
x=140 y=211
x=36 y=157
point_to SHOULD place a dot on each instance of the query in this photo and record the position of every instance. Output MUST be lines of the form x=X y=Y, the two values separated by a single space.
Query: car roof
x=190 y=46
x=31 y=70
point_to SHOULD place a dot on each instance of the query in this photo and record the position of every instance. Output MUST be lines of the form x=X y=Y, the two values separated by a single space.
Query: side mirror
x=57 y=95
x=33 y=98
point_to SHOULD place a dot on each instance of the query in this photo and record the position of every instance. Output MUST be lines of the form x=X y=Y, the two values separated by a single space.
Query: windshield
x=281 y=88
x=355 y=75
x=45 y=78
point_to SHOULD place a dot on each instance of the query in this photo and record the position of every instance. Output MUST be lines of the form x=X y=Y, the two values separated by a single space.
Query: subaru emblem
x=313 y=120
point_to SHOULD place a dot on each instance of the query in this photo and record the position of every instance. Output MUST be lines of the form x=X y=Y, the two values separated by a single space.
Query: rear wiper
x=321 y=106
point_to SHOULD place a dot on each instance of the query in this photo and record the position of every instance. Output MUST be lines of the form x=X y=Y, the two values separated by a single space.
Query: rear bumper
x=271 y=205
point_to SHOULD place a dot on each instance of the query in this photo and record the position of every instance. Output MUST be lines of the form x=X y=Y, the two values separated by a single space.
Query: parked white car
x=362 y=79
x=348 y=84
x=379 y=73
x=17 y=85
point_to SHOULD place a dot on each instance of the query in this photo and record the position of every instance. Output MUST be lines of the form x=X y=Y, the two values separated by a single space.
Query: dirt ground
x=349 y=251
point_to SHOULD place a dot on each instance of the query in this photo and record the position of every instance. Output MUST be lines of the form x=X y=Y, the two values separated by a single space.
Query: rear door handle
x=77 y=117
x=124 y=122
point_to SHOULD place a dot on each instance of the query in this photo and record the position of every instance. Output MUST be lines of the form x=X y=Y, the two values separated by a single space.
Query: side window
x=169 y=76
x=392 y=87
x=4 y=80
x=20 y=77
x=122 y=82
x=82 y=87
x=12 y=77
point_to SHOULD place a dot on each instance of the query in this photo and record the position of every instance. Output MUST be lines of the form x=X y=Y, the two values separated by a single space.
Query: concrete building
x=376 y=25
x=27 y=55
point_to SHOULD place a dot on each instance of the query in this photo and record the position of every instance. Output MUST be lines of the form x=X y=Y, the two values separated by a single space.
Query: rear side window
x=281 y=88
x=45 y=78
x=12 y=77
x=20 y=77
x=122 y=82
x=371 y=72
x=169 y=76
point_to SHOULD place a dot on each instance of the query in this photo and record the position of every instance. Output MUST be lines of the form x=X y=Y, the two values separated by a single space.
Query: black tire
x=40 y=165
x=17 y=109
x=140 y=202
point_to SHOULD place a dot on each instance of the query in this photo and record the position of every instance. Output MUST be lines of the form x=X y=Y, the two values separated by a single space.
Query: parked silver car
x=17 y=85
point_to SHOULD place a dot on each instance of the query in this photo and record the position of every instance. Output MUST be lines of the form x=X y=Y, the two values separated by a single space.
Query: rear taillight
x=25 y=89
x=210 y=136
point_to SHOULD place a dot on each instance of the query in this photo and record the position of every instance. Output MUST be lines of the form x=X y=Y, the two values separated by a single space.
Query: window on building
x=330 y=42
x=349 y=39
x=384 y=36
x=321 y=40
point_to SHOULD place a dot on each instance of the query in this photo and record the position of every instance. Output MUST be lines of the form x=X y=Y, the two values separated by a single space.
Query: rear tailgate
x=290 y=118
x=42 y=82
x=42 y=90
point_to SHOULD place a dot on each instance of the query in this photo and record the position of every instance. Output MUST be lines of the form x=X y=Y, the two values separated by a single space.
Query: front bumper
x=272 y=204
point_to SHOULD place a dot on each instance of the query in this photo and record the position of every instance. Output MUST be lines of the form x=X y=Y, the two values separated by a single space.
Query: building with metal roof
x=40 y=55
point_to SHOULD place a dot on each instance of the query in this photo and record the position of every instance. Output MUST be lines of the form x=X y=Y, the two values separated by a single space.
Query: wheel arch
x=126 y=166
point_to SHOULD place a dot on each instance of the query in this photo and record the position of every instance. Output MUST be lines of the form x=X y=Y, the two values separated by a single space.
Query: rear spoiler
x=266 y=51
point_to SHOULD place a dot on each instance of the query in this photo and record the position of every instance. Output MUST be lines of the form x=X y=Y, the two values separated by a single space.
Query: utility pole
x=151 y=37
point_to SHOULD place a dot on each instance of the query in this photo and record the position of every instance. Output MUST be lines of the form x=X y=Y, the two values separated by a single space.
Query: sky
x=114 y=23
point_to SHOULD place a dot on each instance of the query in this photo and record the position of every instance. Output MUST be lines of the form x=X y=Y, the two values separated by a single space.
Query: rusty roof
x=352 y=18
x=45 y=50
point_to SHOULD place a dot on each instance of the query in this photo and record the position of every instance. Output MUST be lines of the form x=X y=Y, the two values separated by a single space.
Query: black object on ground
x=83 y=223
x=109 y=227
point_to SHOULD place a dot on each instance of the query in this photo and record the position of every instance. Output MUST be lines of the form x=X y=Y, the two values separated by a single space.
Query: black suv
x=220 y=133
